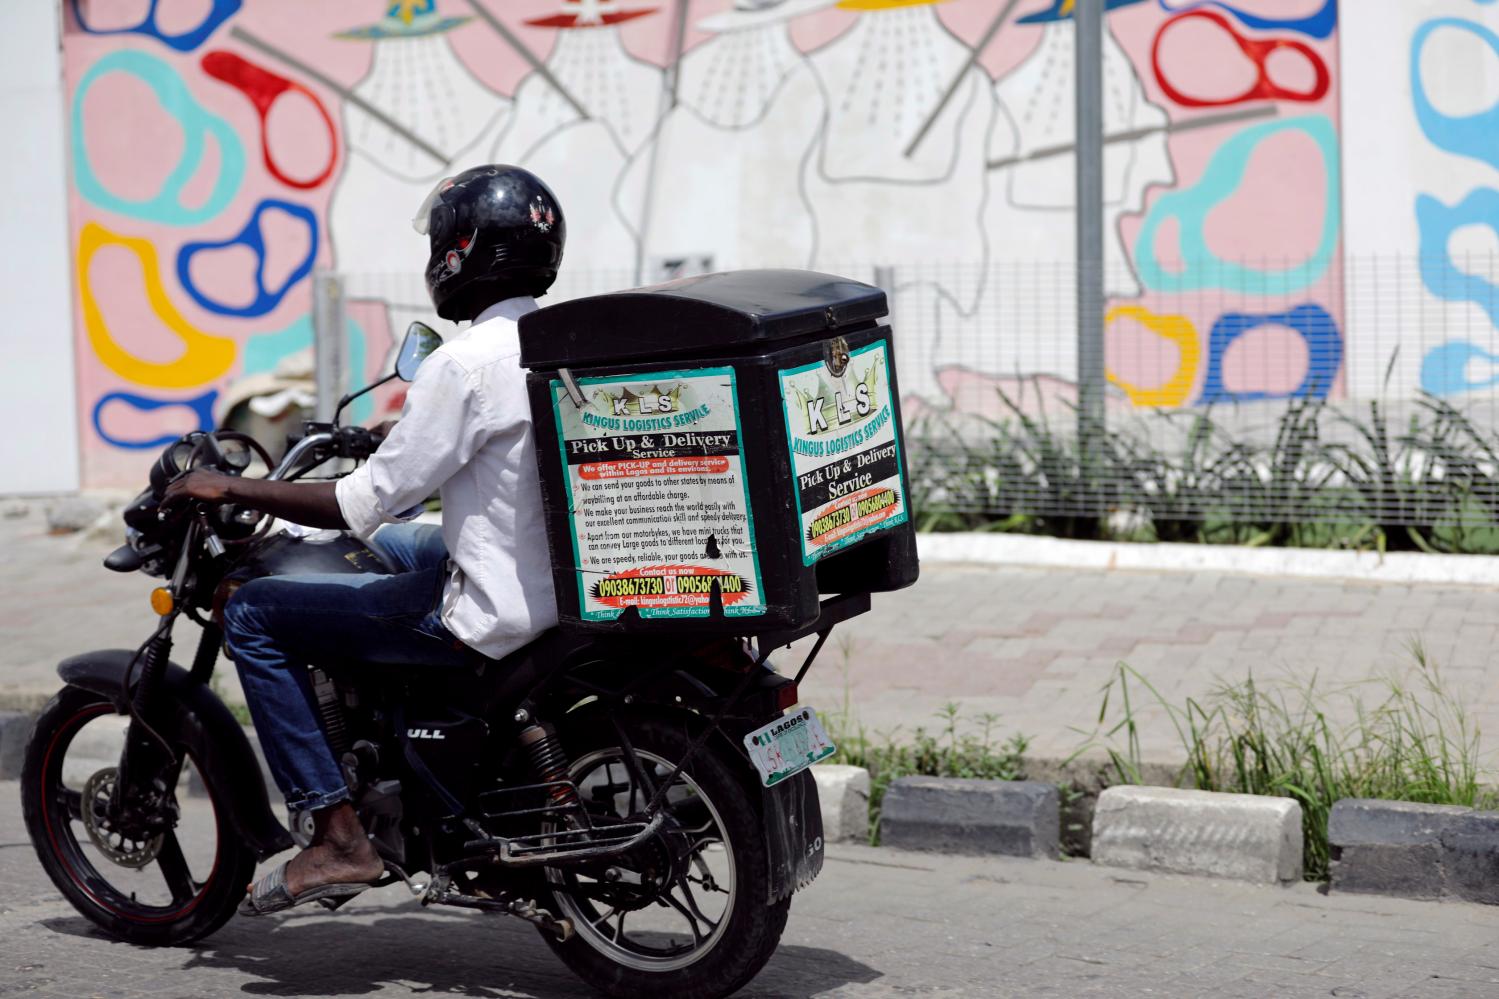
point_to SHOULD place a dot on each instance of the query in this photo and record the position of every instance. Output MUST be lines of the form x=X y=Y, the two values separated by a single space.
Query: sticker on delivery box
x=845 y=453
x=657 y=498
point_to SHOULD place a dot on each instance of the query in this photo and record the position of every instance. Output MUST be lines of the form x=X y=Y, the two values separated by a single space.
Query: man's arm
x=312 y=504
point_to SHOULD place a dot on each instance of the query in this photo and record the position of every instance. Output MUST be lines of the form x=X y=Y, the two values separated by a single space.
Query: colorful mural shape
x=1319 y=25
x=264 y=88
x=252 y=237
x=218 y=12
x=176 y=99
x=1259 y=53
x=1324 y=348
x=927 y=141
x=1452 y=182
x=1189 y=207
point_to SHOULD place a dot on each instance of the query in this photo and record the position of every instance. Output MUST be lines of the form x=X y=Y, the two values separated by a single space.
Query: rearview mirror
x=420 y=341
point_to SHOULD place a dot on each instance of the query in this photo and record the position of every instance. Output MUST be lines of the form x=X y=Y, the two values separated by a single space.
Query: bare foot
x=340 y=853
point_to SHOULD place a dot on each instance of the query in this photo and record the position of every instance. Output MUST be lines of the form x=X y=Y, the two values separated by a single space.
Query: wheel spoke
x=72 y=803
x=697 y=934
x=174 y=869
x=692 y=904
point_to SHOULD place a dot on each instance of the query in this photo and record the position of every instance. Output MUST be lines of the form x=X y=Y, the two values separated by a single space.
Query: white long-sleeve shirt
x=466 y=429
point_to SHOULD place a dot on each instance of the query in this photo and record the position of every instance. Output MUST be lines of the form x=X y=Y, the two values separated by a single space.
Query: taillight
x=786 y=695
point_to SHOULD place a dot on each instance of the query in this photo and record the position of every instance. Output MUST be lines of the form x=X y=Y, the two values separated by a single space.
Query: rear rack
x=581 y=840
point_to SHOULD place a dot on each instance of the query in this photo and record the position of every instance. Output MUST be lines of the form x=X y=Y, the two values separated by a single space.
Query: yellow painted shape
x=1180 y=331
x=884 y=4
x=204 y=358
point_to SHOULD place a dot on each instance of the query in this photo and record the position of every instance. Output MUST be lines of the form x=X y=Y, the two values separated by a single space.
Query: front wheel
x=168 y=889
x=686 y=913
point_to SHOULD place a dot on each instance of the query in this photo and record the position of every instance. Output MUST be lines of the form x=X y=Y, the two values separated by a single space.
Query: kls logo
x=424 y=733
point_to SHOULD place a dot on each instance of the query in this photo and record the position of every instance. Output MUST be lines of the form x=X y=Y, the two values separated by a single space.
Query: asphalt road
x=877 y=923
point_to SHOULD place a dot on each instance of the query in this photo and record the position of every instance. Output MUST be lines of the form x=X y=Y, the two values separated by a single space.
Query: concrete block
x=15 y=729
x=1246 y=837
x=1389 y=847
x=843 y=792
x=955 y=815
x=73 y=513
x=1470 y=857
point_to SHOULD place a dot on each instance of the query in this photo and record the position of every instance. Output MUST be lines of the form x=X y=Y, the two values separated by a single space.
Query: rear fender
x=208 y=728
x=790 y=813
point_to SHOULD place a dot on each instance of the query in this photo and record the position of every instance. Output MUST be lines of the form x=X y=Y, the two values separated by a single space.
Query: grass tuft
x=1412 y=741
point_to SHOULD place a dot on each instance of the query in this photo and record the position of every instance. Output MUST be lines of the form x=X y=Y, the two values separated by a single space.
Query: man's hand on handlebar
x=202 y=485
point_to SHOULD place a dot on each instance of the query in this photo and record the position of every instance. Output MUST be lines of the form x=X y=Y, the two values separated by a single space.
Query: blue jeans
x=276 y=626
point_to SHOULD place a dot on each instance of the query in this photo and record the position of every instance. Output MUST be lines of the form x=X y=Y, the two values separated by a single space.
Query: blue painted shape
x=254 y=237
x=1324 y=347
x=1319 y=25
x=201 y=406
x=1439 y=273
x=185 y=41
x=1444 y=370
x=172 y=92
x=262 y=353
x=1190 y=206
x=1055 y=12
x=1471 y=135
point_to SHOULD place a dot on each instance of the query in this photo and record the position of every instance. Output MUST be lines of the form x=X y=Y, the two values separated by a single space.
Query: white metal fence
x=1253 y=392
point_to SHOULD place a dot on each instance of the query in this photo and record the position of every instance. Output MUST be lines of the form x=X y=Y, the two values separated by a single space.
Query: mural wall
x=1423 y=189
x=224 y=149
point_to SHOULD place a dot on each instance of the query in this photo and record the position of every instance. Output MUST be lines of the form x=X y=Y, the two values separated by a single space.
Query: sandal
x=270 y=894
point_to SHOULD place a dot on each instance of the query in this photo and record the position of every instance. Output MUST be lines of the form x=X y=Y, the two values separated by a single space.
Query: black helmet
x=496 y=232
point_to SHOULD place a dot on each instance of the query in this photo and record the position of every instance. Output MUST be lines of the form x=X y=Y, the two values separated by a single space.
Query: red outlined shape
x=264 y=88
x=1258 y=52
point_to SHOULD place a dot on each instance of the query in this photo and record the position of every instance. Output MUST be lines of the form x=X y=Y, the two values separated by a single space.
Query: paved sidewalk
x=877 y=923
x=1031 y=645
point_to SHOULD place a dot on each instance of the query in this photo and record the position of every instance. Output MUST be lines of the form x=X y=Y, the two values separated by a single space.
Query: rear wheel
x=685 y=914
x=167 y=889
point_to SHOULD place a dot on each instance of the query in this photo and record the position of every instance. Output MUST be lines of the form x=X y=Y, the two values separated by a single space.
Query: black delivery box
x=718 y=451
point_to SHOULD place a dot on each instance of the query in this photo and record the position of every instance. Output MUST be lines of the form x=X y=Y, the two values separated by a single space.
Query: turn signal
x=161 y=601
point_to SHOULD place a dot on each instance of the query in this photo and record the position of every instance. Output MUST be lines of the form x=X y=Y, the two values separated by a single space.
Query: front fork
x=149 y=766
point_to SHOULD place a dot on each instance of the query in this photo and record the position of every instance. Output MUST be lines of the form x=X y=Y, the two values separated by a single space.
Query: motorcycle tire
x=196 y=908
x=753 y=927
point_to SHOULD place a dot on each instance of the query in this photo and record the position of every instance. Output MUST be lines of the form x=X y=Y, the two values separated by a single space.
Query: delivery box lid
x=708 y=315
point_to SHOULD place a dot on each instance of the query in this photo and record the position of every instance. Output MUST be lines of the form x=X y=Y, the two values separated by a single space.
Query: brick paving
x=877 y=923
x=1033 y=646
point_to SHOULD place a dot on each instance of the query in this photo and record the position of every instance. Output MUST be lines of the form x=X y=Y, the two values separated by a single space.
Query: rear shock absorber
x=549 y=762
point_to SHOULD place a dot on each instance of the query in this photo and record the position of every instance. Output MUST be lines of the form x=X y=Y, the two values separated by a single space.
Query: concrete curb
x=843 y=792
x=1397 y=567
x=1388 y=847
x=1415 y=850
x=955 y=815
x=15 y=729
x=1244 y=837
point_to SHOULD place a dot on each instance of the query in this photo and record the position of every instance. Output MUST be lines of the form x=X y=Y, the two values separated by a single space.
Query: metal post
x=328 y=348
x=884 y=279
x=1088 y=63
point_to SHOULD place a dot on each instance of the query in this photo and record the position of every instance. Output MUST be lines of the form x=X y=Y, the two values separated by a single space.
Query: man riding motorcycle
x=479 y=585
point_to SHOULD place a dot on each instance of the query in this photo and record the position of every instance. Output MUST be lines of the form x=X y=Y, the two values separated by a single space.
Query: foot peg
x=526 y=909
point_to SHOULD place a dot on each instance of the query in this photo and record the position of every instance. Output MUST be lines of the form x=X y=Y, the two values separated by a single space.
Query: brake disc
x=115 y=845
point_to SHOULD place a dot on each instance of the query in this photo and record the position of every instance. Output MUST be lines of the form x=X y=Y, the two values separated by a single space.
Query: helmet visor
x=422 y=220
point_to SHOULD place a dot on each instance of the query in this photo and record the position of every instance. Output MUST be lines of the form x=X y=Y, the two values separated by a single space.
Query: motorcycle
x=598 y=786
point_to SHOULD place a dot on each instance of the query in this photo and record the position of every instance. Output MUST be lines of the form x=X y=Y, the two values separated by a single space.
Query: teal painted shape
x=175 y=99
x=262 y=353
x=1191 y=207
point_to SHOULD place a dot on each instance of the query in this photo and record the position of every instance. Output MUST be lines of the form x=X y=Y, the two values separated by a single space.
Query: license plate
x=788 y=745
